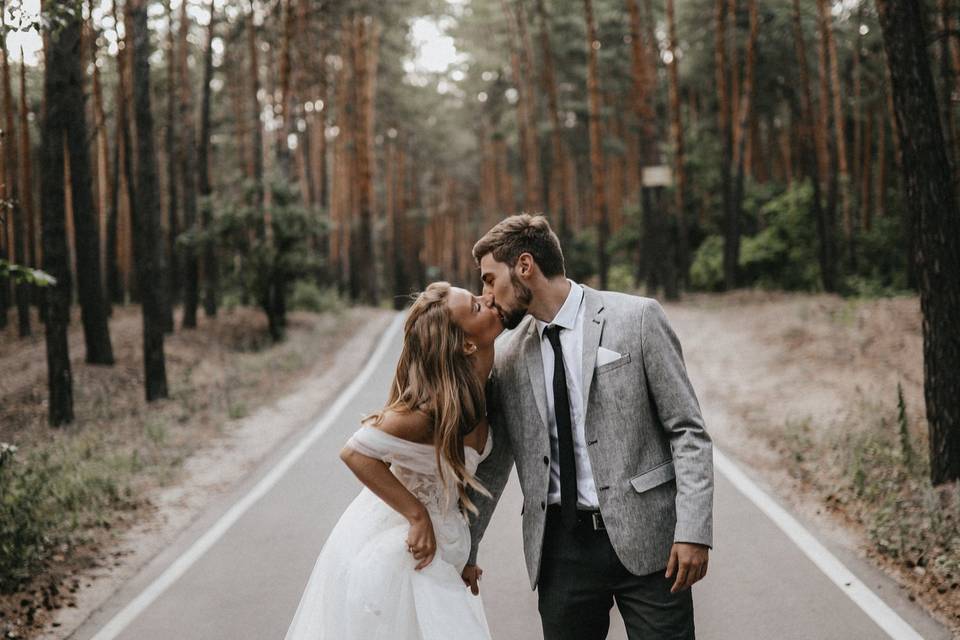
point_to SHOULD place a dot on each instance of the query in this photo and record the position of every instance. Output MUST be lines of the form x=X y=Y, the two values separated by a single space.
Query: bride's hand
x=421 y=541
x=471 y=578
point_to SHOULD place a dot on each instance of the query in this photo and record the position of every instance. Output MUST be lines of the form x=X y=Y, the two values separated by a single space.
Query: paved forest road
x=238 y=571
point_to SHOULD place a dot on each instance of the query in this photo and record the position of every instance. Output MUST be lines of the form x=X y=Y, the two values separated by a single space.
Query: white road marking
x=885 y=617
x=180 y=566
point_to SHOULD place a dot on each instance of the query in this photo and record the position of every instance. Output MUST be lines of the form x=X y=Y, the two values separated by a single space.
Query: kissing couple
x=587 y=394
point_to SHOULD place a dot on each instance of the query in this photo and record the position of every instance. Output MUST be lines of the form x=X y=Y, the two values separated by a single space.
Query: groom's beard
x=513 y=317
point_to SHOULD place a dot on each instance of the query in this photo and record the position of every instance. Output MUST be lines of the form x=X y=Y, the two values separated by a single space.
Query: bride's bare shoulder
x=408 y=425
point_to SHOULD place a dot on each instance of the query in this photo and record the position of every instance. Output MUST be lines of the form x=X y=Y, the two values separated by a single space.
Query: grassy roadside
x=65 y=494
x=872 y=470
x=852 y=434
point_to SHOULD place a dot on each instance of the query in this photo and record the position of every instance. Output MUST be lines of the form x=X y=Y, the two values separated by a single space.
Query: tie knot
x=553 y=334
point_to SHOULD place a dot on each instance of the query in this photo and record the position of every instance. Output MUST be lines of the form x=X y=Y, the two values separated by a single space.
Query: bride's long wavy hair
x=435 y=376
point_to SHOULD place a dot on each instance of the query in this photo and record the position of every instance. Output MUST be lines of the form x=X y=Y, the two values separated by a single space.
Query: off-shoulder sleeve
x=378 y=444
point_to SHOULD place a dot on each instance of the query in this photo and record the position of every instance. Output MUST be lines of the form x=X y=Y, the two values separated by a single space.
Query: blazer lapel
x=592 y=331
x=531 y=353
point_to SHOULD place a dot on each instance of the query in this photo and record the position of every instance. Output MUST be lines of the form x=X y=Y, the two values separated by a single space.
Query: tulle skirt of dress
x=364 y=585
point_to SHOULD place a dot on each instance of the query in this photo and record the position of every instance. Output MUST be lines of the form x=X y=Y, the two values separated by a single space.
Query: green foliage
x=25 y=275
x=256 y=262
x=308 y=296
x=706 y=271
x=780 y=248
x=48 y=498
x=880 y=260
x=783 y=254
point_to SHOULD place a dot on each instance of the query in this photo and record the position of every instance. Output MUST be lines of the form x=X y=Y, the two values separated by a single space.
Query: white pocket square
x=605 y=356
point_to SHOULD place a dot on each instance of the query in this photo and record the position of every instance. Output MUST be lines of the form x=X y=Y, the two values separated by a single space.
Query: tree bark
x=172 y=146
x=60 y=46
x=829 y=171
x=840 y=137
x=558 y=196
x=210 y=266
x=929 y=187
x=146 y=219
x=731 y=221
x=12 y=179
x=676 y=131
x=26 y=172
x=96 y=331
x=600 y=213
x=744 y=110
x=188 y=175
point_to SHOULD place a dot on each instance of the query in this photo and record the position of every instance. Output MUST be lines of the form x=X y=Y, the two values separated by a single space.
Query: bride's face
x=476 y=315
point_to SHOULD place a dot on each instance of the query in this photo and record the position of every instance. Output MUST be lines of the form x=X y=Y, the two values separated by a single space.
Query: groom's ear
x=525 y=264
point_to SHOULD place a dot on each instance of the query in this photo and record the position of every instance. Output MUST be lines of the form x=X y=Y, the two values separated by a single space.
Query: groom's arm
x=492 y=473
x=679 y=412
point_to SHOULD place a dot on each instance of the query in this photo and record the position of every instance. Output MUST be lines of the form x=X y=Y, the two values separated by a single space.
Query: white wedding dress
x=364 y=585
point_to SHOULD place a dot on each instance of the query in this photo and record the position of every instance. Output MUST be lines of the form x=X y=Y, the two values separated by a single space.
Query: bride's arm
x=376 y=475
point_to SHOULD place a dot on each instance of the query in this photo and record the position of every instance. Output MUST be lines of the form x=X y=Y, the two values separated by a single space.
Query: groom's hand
x=689 y=561
x=471 y=577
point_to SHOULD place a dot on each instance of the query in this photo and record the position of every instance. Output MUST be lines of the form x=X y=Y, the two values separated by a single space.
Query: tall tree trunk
x=521 y=65
x=26 y=172
x=210 y=267
x=600 y=213
x=947 y=81
x=96 y=331
x=104 y=187
x=645 y=116
x=253 y=115
x=364 y=69
x=742 y=131
x=810 y=136
x=61 y=46
x=840 y=134
x=173 y=141
x=676 y=131
x=829 y=172
x=123 y=196
x=12 y=179
x=146 y=220
x=880 y=184
x=731 y=221
x=929 y=186
x=558 y=196
x=188 y=174
x=865 y=174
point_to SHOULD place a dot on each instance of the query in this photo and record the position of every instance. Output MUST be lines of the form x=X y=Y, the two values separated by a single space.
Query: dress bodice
x=415 y=465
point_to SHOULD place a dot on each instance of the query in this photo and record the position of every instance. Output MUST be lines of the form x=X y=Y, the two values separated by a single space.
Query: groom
x=589 y=397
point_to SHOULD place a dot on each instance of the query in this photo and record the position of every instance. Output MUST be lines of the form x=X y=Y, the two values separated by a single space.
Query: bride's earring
x=470 y=348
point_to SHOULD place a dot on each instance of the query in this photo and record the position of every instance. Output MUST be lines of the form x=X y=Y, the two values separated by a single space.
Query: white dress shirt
x=570 y=317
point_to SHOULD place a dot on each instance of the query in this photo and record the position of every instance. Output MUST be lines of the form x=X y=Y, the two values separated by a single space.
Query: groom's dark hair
x=519 y=234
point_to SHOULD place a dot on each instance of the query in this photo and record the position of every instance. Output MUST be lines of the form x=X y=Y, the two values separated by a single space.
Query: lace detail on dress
x=428 y=490
x=415 y=465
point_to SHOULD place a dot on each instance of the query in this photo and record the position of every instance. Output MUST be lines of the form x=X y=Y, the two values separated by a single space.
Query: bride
x=391 y=567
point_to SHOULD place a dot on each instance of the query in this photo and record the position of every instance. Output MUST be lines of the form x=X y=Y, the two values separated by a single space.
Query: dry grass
x=86 y=481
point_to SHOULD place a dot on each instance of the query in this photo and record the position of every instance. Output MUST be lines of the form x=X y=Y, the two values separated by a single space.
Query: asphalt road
x=237 y=573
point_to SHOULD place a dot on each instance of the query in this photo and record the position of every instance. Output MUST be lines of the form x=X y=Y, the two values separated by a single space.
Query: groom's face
x=510 y=296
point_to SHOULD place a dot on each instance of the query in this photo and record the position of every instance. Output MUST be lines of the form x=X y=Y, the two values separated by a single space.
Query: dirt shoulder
x=233 y=399
x=802 y=390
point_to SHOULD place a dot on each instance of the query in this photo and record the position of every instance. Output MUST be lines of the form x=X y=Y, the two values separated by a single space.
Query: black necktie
x=561 y=407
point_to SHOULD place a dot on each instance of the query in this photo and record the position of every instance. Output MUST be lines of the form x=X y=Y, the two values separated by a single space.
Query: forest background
x=186 y=157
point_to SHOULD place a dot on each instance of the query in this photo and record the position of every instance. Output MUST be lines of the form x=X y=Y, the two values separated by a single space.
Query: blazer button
x=546 y=459
x=543 y=505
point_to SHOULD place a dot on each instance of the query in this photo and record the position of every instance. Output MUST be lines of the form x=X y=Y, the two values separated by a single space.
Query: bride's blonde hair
x=435 y=376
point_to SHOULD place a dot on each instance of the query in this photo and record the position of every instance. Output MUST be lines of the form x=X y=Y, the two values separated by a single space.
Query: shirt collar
x=567 y=315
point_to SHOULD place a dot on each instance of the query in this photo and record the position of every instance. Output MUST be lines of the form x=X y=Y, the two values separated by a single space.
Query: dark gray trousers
x=580 y=579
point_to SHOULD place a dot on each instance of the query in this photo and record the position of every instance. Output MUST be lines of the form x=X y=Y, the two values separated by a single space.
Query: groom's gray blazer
x=652 y=459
